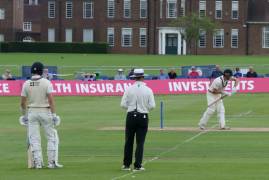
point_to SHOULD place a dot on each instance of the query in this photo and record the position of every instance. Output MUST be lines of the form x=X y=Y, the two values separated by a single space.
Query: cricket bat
x=217 y=100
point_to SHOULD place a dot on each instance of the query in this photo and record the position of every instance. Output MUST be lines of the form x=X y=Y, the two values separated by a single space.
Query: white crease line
x=168 y=151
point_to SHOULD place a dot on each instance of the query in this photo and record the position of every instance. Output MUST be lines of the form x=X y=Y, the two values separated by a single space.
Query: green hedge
x=45 y=47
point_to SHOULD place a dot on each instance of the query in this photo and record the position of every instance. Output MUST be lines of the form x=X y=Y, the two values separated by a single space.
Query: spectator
x=120 y=75
x=47 y=75
x=172 y=74
x=162 y=75
x=193 y=73
x=131 y=73
x=238 y=73
x=251 y=73
x=7 y=75
x=89 y=77
x=217 y=72
x=97 y=76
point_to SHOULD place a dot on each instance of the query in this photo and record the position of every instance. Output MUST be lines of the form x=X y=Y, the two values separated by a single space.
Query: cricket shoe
x=225 y=128
x=201 y=127
x=125 y=168
x=54 y=165
x=139 y=169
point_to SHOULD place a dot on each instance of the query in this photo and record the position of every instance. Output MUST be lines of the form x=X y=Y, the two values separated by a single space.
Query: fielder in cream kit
x=38 y=110
x=216 y=93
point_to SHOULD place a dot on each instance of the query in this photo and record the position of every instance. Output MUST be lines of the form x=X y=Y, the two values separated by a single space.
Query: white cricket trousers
x=42 y=117
x=219 y=107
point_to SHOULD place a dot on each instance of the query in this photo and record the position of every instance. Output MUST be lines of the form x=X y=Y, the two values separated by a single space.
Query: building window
x=235 y=8
x=51 y=35
x=2 y=38
x=143 y=37
x=171 y=9
x=110 y=8
x=111 y=37
x=202 y=8
x=27 y=26
x=68 y=9
x=33 y=2
x=127 y=8
x=161 y=9
x=218 y=14
x=182 y=8
x=28 y=39
x=88 y=35
x=87 y=9
x=126 y=37
x=218 y=39
x=143 y=8
x=68 y=35
x=265 y=37
x=202 y=39
x=51 y=9
x=2 y=13
x=234 y=38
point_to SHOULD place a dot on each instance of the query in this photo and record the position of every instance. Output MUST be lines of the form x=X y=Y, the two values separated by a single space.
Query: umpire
x=138 y=100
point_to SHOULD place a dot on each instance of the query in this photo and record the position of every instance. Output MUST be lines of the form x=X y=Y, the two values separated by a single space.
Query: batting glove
x=56 y=119
x=23 y=121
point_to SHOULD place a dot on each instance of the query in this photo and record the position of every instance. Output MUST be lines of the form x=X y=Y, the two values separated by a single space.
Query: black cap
x=37 y=68
x=228 y=72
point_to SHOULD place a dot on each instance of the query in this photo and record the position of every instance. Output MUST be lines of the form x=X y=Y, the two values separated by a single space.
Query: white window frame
x=127 y=9
x=126 y=32
x=88 y=36
x=27 y=26
x=2 y=38
x=143 y=37
x=219 y=33
x=171 y=13
x=87 y=13
x=218 y=7
x=202 y=44
x=234 y=38
x=2 y=13
x=33 y=2
x=111 y=37
x=235 y=8
x=51 y=9
x=51 y=34
x=202 y=8
x=69 y=9
x=110 y=8
x=265 y=37
x=68 y=38
x=143 y=8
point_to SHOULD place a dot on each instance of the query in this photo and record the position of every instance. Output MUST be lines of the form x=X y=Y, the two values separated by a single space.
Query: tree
x=192 y=25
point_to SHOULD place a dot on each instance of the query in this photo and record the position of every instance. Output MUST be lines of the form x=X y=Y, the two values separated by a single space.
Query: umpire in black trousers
x=138 y=99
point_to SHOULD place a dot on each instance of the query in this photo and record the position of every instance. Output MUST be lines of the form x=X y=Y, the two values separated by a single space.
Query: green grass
x=88 y=153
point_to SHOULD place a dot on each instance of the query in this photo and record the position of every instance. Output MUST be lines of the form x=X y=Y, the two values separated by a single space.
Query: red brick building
x=144 y=26
x=11 y=19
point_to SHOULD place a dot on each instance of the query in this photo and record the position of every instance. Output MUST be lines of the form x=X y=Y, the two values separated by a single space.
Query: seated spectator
x=238 y=73
x=251 y=73
x=194 y=73
x=97 y=76
x=217 y=72
x=162 y=75
x=172 y=74
x=89 y=77
x=120 y=75
x=7 y=75
x=47 y=75
x=131 y=73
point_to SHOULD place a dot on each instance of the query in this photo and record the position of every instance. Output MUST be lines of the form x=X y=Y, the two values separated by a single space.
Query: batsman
x=38 y=110
x=215 y=95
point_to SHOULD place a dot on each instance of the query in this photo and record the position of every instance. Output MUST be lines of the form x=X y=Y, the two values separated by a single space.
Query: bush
x=58 y=47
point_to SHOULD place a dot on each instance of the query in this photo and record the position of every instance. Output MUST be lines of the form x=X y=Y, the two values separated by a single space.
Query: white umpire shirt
x=138 y=96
